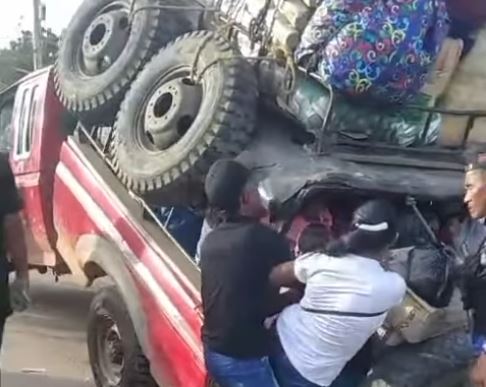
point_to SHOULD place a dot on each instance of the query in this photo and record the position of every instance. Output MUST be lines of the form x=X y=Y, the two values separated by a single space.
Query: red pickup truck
x=144 y=329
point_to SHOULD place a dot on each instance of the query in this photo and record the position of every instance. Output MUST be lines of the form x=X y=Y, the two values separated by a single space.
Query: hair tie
x=372 y=227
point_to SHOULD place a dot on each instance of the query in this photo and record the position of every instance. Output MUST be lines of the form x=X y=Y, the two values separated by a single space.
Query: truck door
x=33 y=160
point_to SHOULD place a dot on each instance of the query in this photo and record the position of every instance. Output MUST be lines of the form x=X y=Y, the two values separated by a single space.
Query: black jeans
x=2 y=327
x=5 y=309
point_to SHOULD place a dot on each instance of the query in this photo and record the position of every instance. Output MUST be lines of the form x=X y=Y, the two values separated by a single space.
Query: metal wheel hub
x=111 y=356
x=170 y=112
x=104 y=41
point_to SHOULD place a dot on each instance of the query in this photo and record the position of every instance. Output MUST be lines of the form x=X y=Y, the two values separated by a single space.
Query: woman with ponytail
x=347 y=296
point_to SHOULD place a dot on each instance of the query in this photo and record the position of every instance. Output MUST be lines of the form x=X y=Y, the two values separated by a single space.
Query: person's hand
x=19 y=294
x=478 y=373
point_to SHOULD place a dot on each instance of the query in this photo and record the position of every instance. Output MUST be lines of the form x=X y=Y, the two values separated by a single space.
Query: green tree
x=17 y=60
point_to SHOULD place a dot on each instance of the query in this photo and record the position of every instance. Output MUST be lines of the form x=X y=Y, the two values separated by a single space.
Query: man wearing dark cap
x=474 y=273
x=236 y=260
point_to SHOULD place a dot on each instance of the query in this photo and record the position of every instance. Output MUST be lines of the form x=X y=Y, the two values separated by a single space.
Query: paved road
x=46 y=346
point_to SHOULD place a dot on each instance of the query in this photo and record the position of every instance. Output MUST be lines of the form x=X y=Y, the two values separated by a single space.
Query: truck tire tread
x=99 y=106
x=108 y=303
x=230 y=130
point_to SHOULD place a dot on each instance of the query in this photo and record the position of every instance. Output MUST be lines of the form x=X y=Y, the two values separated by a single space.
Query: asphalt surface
x=46 y=346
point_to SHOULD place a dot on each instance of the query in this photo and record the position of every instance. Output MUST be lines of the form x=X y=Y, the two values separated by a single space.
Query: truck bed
x=136 y=209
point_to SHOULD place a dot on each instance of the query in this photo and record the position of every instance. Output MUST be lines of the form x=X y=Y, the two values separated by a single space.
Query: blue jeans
x=285 y=372
x=288 y=376
x=232 y=372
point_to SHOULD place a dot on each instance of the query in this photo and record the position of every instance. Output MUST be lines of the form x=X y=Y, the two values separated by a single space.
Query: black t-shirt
x=10 y=203
x=236 y=260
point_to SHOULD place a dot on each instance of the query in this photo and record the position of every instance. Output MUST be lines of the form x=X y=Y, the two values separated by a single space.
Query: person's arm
x=15 y=243
x=278 y=301
x=276 y=250
x=283 y=275
x=292 y=275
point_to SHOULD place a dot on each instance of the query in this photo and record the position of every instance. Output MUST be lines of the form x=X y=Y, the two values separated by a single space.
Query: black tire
x=221 y=125
x=108 y=307
x=94 y=93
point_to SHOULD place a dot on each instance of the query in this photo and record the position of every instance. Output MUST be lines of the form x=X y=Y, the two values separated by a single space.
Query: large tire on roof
x=105 y=46
x=114 y=352
x=172 y=127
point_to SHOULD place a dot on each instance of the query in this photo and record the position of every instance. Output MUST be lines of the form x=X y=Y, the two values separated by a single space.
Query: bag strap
x=337 y=313
x=410 y=258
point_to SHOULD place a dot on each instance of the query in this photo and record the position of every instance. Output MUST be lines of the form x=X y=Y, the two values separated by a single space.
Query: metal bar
x=173 y=8
x=450 y=112
x=169 y=217
x=412 y=203
x=109 y=139
x=405 y=150
x=428 y=122
x=390 y=161
x=326 y=138
x=93 y=143
x=37 y=39
x=94 y=129
x=470 y=125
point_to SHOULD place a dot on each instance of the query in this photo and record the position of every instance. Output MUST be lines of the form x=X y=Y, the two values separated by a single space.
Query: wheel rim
x=104 y=39
x=110 y=352
x=170 y=110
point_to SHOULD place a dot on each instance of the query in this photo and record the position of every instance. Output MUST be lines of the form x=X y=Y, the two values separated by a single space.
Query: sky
x=18 y=16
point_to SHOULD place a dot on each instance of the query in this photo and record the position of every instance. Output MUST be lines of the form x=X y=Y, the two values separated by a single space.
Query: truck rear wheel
x=105 y=46
x=115 y=355
x=172 y=127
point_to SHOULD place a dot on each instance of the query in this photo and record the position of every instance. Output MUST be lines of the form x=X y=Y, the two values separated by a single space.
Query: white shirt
x=320 y=345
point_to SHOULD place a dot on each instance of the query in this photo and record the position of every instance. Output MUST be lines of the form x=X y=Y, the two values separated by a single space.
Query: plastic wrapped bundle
x=403 y=127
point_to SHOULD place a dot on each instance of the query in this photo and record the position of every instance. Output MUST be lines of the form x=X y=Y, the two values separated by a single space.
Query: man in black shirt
x=236 y=260
x=12 y=241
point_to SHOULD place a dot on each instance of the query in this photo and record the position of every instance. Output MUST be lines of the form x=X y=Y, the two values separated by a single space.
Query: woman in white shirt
x=347 y=296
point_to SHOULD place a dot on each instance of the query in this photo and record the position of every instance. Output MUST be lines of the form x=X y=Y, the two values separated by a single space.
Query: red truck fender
x=100 y=256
